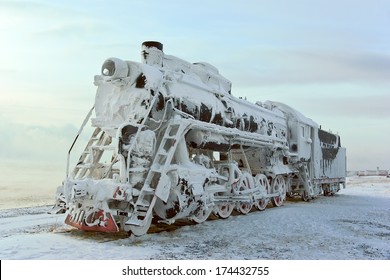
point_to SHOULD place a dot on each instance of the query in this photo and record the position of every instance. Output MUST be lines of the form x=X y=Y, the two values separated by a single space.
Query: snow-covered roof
x=293 y=113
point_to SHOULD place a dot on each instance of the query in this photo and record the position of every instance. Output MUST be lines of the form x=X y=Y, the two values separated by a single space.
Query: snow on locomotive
x=171 y=142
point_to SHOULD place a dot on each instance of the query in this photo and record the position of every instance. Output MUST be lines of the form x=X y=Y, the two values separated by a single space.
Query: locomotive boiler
x=171 y=142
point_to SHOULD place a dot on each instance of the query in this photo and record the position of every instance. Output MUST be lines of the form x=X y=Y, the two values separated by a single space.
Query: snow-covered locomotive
x=171 y=142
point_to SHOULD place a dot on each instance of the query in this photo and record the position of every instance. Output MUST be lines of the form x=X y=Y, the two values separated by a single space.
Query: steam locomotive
x=171 y=142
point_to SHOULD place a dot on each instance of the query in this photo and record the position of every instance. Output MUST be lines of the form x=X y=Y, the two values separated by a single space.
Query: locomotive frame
x=171 y=142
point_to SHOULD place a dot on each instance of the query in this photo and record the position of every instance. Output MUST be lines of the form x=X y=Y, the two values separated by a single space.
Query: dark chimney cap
x=155 y=44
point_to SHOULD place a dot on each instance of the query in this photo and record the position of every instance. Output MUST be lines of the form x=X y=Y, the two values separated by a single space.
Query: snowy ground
x=354 y=224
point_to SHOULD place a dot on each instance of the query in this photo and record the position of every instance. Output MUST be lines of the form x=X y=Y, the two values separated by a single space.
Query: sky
x=328 y=59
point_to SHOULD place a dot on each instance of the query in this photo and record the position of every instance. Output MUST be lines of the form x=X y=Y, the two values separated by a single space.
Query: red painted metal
x=96 y=221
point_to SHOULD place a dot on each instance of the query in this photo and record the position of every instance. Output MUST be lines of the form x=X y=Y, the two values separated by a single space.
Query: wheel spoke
x=278 y=188
x=305 y=196
x=201 y=214
x=140 y=230
x=246 y=183
x=262 y=181
x=225 y=209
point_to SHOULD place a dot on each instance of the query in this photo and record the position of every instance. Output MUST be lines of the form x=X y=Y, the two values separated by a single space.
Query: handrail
x=87 y=117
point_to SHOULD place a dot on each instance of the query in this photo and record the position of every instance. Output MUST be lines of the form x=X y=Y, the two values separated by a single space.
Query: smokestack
x=152 y=53
x=150 y=44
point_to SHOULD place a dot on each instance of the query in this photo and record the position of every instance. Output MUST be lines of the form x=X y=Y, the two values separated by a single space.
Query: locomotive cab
x=300 y=133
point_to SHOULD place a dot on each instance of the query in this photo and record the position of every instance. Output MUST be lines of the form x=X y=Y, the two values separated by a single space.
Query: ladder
x=305 y=175
x=97 y=144
x=143 y=207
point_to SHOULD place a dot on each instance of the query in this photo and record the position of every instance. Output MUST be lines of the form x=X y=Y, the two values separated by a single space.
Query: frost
x=356 y=226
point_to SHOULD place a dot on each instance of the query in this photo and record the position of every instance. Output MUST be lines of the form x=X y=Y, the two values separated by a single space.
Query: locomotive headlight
x=115 y=68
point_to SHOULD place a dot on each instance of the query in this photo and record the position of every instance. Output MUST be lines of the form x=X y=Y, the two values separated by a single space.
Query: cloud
x=372 y=63
x=36 y=143
x=38 y=9
x=22 y=6
x=345 y=66
x=52 y=20
x=71 y=29
x=369 y=107
x=281 y=67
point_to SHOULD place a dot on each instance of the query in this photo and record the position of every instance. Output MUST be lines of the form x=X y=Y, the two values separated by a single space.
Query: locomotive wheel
x=262 y=180
x=278 y=187
x=305 y=196
x=202 y=214
x=290 y=195
x=140 y=230
x=225 y=209
x=326 y=193
x=245 y=183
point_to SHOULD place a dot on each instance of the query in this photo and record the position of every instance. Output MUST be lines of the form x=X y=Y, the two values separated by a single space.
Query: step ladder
x=143 y=207
x=305 y=175
x=97 y=144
